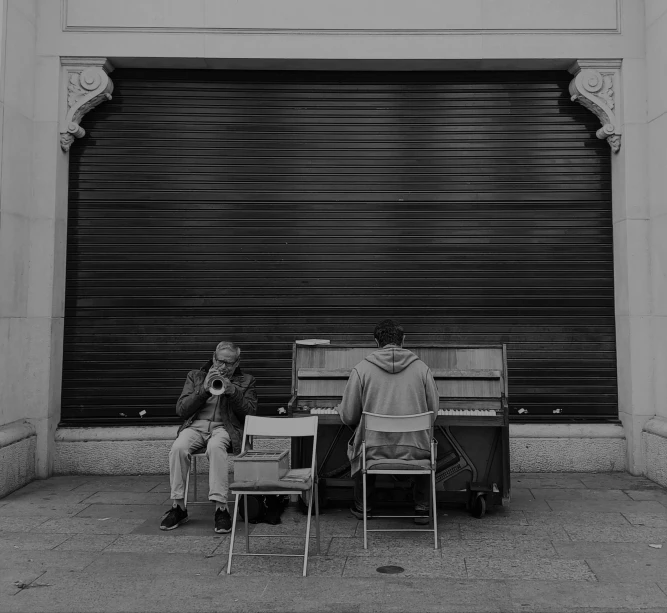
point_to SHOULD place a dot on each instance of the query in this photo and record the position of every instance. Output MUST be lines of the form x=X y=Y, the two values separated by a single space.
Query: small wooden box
x=261 y=465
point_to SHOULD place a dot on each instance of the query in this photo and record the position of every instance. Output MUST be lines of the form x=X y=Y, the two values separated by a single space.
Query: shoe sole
x=183 y=521
x=222 y=531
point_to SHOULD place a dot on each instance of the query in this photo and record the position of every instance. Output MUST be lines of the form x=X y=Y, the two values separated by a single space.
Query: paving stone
x=617 y=534
x=519 y=533
x=45 y=559
x=19 y=523
x=582 y=518
x=120 y=484
x=121 y=511
x=559 y=596
x=548 y=481
x=496 y=516
x=259 y=566
x=572 y=494
x=583 y=550
x=499 y=548
x=262 y=544
x=62 y=483
x=523 y=500
x=12 y=580
x=618 y=481
x=659 y=495
x=414 y=565
x=605 y=506
x=629 y=569
x=88 y=525
x=30 y=540
x=87 y=542
x=124 y=564
x=645 y=519
x=126 y=498
x=82 y=593
x=165 y=544
x=26 y=508
x=55 y=496
x=379 y=545
x=548 y=569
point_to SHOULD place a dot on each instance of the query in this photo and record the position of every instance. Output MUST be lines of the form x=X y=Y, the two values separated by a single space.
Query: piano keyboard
x=319 y=410
x=468 y=413
x=441 y=412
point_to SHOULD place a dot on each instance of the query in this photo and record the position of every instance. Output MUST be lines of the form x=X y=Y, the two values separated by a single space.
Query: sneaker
x=223 y=521
x=423 y=518
x=359 y=513
x=174 y=518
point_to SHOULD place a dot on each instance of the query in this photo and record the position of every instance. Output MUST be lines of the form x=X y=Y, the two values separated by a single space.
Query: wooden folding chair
x=296 y=481
x=400 y=423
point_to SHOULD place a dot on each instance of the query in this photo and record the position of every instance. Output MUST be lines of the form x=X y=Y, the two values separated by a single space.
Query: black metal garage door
x=263 y=207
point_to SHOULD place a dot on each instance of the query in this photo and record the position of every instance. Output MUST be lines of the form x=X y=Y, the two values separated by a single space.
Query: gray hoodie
x=390 y=381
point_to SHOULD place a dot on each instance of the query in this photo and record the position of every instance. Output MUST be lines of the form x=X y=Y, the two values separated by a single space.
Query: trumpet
x=217 y=385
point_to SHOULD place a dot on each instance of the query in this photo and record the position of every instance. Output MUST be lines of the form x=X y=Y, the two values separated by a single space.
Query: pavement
x=569 y=542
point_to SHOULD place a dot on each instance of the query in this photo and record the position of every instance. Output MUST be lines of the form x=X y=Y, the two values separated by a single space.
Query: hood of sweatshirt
x=392 y=358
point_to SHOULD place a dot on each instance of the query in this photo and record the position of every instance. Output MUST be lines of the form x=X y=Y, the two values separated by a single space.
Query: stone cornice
x=594 y=86
x=88 y=85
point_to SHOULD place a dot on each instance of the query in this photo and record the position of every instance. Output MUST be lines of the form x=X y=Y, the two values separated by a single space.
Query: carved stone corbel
x=88 y=84
x=594 y=87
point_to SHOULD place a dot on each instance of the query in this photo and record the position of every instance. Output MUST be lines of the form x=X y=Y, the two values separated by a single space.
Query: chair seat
x=398 y=465
x=296 y=479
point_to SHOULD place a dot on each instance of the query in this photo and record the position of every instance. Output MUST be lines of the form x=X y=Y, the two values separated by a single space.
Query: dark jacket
x=233 y=408
x=390 y=381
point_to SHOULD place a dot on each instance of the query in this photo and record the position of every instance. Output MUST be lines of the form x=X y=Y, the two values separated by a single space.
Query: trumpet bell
x=217 y=386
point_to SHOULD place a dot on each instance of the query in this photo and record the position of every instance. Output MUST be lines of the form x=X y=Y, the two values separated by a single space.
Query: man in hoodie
x=214 y=423
x=390 y=381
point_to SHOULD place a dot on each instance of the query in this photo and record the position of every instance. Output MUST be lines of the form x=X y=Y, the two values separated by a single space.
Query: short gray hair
x=228 y=345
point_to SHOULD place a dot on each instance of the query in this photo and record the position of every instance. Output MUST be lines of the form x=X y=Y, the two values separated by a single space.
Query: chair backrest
x=398 y=423
x=280 y=427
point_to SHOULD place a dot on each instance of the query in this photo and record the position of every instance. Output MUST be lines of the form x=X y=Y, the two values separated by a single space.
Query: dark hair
x=389 y=332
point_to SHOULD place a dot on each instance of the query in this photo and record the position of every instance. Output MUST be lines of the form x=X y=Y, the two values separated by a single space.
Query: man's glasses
x=225 y=362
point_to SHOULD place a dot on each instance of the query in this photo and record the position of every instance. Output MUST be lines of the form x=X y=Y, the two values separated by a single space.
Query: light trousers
x=200 y=434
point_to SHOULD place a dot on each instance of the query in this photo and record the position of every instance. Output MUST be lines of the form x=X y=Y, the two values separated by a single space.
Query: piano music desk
x=472 y=426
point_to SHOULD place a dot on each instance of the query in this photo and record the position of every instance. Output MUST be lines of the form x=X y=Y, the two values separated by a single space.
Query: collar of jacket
x=206 y=367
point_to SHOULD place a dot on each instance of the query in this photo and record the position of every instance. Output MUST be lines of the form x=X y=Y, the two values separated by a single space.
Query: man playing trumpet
x=214 y=403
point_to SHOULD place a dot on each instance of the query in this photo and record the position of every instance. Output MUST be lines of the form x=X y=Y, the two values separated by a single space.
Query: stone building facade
x=56 y=64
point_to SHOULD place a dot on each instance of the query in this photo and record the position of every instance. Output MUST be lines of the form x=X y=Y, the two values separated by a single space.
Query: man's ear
x=377 y=342
x=403 y=340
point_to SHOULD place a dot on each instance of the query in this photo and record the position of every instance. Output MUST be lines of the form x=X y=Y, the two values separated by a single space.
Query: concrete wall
x=17 y=455
x=24 y=326
x=654 y=437
x=352 y=34
x=145 y=450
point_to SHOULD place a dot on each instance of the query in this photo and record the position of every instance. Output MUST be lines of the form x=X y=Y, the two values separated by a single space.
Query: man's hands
x=213 y=373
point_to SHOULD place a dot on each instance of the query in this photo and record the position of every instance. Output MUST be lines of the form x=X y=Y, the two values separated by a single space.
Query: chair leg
x=434 y=509
x=245 y=514
x=231 y=542
x=310 y=509
x=187 y=487
x=194 y=469
x=317 y=516
x=363 y=480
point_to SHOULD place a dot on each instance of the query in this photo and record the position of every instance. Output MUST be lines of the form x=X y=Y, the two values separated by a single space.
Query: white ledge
x=113 y=433
x=657 y=426
x=160 y=433
x=566 y=431
x=15 y=432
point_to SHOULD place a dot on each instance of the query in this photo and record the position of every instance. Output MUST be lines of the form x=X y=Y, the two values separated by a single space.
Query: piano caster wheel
x=478 y=507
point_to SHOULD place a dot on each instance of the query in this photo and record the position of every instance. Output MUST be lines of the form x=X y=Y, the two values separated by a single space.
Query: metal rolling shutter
x=263 y=207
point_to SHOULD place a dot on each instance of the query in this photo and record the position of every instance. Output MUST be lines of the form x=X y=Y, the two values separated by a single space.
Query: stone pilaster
x=88 y=85
x=594 y=86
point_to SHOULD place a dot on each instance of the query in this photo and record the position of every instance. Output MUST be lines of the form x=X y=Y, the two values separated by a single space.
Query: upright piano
x=472 y=427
